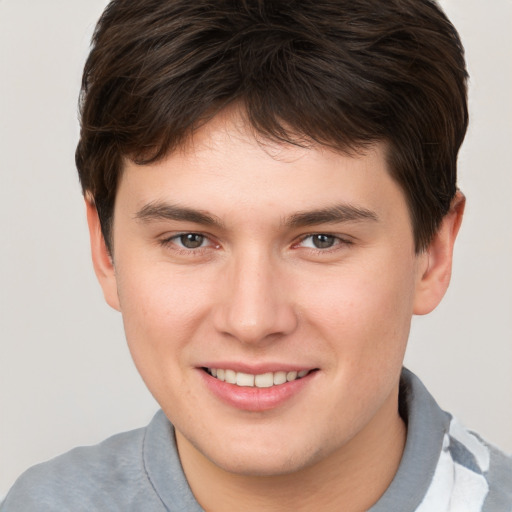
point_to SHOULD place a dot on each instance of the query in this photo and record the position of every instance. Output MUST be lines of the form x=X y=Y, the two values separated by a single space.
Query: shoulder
x=484 y=463
x=499 y=478
x=445 y=467
x=108 y=476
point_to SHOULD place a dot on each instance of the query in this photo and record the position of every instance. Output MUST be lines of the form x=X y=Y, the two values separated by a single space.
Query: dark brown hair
x=343 y=73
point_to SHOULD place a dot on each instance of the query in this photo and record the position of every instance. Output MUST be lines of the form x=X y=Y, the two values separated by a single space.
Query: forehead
x=225 y=167
x=232 y=126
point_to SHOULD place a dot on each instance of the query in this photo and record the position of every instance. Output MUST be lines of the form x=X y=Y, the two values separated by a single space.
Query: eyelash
x=339 y=242
x=171 y=241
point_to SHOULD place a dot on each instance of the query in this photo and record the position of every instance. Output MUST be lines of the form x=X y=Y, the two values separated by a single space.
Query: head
x=271 y=190
x=340 y=74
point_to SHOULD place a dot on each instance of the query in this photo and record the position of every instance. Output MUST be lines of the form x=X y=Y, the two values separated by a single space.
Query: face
x=266 y=292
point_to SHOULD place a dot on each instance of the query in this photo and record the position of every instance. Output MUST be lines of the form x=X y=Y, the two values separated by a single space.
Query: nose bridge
x=253 y=307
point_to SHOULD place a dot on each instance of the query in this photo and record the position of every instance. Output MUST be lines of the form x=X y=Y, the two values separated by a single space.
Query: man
x=271 y=195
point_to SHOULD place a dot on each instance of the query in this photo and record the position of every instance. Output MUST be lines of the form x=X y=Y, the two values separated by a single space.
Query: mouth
x=262 y=380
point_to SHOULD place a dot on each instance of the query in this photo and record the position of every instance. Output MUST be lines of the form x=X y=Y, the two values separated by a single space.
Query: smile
x=262 y=380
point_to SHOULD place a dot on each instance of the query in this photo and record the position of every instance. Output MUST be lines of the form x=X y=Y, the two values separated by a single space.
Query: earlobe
x=434 y=276
x=101 y=258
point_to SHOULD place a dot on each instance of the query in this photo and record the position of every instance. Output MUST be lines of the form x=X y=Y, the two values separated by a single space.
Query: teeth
x=230 y=376
x=291 y=376
x=263 y=380
x=244 y=379
x=279 y=378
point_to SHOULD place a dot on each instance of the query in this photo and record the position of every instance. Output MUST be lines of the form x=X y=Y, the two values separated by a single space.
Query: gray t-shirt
x=444 y=468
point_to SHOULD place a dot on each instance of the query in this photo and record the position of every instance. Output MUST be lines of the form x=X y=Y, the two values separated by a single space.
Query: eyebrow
x=331 y=215
x=163 y=211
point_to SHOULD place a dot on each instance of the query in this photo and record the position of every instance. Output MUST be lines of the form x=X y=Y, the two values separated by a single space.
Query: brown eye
x=191 y=240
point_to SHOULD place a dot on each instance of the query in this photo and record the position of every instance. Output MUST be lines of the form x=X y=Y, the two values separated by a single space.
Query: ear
x=436 y=261
x=101 y=258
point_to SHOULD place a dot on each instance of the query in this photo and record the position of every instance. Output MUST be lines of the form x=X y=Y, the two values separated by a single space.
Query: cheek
x=365 y=310
x=161 y=311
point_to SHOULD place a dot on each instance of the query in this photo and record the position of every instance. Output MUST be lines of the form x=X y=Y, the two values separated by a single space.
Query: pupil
x=192 y=240
x=323 y=241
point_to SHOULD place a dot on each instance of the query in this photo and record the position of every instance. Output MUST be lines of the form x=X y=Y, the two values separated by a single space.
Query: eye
x=187 y=242
x=191 y=240
x=320 y=241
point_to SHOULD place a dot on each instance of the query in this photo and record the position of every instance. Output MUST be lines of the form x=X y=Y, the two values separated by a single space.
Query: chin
x=257 y=466
x=265 y=459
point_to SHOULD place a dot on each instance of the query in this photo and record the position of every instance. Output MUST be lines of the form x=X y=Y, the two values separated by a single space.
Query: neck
x=352 y=478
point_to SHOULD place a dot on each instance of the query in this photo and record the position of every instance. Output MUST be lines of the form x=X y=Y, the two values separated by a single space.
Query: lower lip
x=252 y=398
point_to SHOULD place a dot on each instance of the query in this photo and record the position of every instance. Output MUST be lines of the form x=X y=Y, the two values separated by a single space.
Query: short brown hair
x=343 y=73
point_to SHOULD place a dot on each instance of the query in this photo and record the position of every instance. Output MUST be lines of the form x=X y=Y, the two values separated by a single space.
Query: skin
x=257 y=293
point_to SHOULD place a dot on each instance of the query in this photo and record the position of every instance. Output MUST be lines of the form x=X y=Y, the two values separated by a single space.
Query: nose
x=254 y=304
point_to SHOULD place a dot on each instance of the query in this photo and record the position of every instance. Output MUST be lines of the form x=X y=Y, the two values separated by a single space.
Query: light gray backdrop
x=66 y=377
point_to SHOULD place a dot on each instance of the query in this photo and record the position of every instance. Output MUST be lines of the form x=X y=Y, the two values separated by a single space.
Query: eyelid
x=340 y=241
x=171 y=240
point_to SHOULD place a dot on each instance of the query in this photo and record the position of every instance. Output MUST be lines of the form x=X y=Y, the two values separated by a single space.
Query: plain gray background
x=66 y=377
